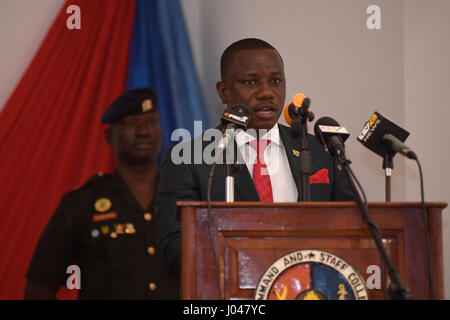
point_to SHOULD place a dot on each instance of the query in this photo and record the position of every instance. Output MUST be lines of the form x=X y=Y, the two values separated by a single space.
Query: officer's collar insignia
x=102 y=204
x=147 y=105
x=296 y=152
x=299 y=275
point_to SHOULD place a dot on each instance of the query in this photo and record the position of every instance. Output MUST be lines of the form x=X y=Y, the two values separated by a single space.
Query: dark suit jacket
x=190 y=182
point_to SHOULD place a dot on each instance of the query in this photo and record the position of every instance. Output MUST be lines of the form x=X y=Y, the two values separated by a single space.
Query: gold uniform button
x=148 y=216
x=152 y=286
x=151 y=250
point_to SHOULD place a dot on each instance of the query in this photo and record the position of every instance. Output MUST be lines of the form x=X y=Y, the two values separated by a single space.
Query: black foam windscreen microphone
x=385 y=137
x=238 y=116
x=331 y=134
x=300 y=104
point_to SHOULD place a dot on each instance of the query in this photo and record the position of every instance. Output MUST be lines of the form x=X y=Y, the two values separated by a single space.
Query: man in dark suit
x=252 y=73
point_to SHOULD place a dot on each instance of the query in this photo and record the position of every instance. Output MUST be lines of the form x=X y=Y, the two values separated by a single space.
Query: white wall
x=402 y=71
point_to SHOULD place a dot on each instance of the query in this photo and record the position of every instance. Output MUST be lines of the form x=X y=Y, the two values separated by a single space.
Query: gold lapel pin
x=296 y=152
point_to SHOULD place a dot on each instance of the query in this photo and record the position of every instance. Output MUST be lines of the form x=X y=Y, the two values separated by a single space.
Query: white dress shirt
x=284 y=188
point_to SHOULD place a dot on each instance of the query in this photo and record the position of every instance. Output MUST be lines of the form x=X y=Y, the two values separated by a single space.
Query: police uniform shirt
x=102 y=229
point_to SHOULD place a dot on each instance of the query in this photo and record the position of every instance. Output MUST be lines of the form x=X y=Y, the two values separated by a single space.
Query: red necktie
x=261 y=177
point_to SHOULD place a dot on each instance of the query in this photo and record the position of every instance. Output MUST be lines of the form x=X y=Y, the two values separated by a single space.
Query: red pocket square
x=320 y=176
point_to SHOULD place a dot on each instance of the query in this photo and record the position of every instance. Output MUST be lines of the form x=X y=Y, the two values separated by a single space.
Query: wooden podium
x=250 y=236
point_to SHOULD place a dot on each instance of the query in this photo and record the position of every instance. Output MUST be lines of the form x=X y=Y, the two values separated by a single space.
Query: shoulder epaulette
x=93 y=179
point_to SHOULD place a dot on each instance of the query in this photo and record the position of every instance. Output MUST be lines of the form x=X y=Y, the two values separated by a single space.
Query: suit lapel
x=244 y=185
x=218 y=185
x=292 y=147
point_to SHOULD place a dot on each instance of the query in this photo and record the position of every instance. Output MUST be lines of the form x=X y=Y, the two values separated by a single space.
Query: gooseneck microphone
x=395 y=144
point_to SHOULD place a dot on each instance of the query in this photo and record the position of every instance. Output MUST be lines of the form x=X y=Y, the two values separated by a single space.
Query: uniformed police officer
x=106 y=228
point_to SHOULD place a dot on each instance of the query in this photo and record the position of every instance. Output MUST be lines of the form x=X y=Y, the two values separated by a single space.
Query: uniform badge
x=147 y=105
x=311 y=275
x=105 y=229
x=119 y=228
x=104 y=216
x=102 y=204
x=95 y=233
x=129 y=228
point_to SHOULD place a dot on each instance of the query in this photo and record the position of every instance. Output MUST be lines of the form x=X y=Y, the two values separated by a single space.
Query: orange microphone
x=298 y=107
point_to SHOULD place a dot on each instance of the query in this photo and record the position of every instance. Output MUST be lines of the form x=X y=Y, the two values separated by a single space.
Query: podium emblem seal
x=310 y=274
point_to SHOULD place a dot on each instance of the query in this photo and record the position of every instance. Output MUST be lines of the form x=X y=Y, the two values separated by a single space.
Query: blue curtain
x=161 y=58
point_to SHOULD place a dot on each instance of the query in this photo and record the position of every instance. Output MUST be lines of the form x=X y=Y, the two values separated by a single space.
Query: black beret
x=135 y=101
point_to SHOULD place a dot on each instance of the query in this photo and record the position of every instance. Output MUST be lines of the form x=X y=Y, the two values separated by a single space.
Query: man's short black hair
x=240 y=45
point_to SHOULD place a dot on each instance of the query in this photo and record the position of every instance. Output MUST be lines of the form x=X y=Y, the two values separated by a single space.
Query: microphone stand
x=388 y=165
x=231 y=167
x=230 y=171
x=397 y=290
x=299 y=128
x=229 y=183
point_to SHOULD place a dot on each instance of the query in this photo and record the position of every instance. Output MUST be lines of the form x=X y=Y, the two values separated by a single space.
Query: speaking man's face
x=255 y=77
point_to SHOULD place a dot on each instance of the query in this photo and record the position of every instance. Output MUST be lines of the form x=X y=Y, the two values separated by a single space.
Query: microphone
x=398 y=146
x=238 y=116
x=297 y=115
x=385 y=137
x=332 y=135
x=298 y=107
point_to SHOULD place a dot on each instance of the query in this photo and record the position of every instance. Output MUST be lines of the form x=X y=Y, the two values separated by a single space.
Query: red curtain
x=51 y=139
